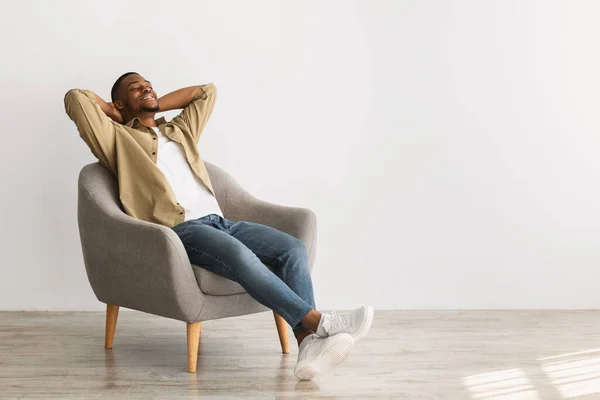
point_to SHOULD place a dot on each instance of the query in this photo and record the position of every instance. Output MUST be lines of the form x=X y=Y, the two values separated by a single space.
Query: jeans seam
x=211 y=256
x=284 y=271
x=260 y=253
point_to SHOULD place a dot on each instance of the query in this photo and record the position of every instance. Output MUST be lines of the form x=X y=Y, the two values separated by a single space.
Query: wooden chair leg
x=282 y=331
x=112 y=313
x=193 y=336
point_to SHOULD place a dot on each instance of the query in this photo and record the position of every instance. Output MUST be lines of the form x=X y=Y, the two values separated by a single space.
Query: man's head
x=133 y=96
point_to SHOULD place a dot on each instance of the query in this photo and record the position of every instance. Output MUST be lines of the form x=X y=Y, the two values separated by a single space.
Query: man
x=162 y=179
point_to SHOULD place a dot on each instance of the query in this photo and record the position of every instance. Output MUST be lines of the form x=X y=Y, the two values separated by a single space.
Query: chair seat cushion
x=216 y=285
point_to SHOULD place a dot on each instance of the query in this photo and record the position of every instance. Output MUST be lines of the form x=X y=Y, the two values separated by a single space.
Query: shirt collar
x=135 y=121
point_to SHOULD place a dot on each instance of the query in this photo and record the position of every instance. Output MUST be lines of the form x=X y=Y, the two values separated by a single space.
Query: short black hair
x=115 y=88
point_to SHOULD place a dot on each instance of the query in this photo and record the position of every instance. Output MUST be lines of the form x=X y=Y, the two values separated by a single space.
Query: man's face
x=138 y=95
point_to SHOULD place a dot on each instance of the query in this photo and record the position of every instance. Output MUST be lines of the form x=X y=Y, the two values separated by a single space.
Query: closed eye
x=138 y=88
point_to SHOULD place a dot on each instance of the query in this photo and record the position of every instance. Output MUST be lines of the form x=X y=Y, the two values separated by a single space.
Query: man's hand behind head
x=109 y=109
x=114 y=114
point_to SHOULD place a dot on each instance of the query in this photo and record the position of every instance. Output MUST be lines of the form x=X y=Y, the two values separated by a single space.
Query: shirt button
x=154 y=137
x=153 y=153
x=180 y=213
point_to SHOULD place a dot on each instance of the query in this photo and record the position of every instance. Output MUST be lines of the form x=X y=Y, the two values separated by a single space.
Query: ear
x=119 y=105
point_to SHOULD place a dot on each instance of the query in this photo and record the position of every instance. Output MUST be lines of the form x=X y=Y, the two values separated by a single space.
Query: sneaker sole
x=362 y=331
x=329 y=358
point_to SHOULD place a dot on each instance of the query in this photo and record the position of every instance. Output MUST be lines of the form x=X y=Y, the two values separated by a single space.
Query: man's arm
x=197 y=103
x=109 y=109
x=179 y=98
x=88 y=113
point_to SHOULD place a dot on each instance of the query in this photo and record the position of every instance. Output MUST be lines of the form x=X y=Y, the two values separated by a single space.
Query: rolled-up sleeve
x=196 y=114
x=93 y=125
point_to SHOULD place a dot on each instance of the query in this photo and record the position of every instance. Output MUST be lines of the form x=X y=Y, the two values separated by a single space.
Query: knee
x=241 y=257
x=296 y=251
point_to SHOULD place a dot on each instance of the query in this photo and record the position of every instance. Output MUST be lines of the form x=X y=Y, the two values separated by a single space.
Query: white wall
x=450 y=149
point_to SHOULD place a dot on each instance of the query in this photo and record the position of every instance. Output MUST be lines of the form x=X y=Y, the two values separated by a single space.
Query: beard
x=150 y=109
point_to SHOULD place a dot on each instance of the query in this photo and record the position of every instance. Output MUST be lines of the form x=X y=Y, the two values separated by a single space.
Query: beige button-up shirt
x=130 y=151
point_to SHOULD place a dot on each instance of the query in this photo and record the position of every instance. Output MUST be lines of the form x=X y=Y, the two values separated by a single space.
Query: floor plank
x=491 y=355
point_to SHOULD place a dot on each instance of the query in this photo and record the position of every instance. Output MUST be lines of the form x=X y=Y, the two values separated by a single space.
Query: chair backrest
x=102 y=186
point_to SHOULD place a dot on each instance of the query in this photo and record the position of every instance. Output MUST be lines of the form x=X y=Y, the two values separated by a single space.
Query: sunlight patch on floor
x=574 y=376
x=511 y=384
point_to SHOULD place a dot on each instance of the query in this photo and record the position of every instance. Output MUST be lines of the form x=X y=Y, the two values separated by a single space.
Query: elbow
x=71 y=94
x=204 y=92
x=209 y=89
x=72 y=97
x=76 y=99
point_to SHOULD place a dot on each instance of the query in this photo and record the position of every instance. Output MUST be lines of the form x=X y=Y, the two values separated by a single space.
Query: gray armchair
x=143 y=266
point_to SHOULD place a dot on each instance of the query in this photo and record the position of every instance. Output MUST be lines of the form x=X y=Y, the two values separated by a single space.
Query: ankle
x=312 y=320
x=300 y=336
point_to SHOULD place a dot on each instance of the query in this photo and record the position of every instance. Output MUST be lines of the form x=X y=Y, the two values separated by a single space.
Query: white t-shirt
x=190 y=191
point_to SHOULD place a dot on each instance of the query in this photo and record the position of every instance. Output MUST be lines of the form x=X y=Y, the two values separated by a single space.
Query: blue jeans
x=239 y=250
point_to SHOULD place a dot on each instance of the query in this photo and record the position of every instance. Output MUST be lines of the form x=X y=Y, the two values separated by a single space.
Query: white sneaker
x=356 y=323
x=316 y=354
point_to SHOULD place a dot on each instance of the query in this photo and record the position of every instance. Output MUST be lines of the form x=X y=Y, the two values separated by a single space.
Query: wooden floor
x=408 y=355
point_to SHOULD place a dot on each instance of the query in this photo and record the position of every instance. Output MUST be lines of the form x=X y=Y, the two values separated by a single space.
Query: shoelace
x=340 y=321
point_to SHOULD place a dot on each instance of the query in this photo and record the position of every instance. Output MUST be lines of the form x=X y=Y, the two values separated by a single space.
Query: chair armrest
x=240 y=205
x=134 y=263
